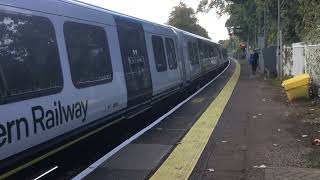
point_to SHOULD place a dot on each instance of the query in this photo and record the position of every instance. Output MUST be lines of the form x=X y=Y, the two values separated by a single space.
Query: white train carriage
x=66 y=66
x=189 y=53
x=165 y=66
x=201 y=56
x=60 y=72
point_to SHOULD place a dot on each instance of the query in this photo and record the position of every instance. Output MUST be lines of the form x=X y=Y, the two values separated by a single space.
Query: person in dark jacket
x=254 y=61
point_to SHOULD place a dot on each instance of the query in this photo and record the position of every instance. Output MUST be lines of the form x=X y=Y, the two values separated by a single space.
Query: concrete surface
x=142 y=157
x=253 y=139
x=258 y=137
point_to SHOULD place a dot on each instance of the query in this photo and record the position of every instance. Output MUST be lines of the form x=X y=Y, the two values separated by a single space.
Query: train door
x=135 y=61
x=181 y=58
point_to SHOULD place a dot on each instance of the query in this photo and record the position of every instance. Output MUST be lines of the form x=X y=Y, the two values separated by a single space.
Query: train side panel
x=183 y=59
x=163 y=61
x=192 y=52
x=67 y=66
x=135 y=61
x=47 y=89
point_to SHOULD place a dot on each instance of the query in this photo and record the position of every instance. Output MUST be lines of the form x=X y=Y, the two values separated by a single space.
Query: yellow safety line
x=182 y=160
x=54 y=151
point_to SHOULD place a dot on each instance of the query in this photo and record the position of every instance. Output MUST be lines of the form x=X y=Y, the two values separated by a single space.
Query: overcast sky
x=158 y=11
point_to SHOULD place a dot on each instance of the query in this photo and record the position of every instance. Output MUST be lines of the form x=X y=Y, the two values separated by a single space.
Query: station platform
x=141 y=158
x=232 y=130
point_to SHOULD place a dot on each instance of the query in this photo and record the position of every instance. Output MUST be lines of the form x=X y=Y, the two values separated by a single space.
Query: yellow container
x=297 y=87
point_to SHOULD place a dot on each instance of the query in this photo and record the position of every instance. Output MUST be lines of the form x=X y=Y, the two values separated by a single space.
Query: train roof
x=77 y=9
x=186 y=33
x=90 y=6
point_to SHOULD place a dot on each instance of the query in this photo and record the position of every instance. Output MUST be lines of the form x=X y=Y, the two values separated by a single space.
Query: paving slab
x=130 y=157
x=103 y=173
x=277 y=173
x=162 y=136
x=223 y=175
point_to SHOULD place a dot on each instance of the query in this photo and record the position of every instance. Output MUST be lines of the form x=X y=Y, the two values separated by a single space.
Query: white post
x=279 y=44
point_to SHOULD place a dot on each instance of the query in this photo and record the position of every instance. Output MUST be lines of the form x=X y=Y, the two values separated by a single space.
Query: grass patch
x=276 y=82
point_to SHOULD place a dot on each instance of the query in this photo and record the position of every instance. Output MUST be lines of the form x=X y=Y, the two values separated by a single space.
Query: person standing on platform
x=254 y=61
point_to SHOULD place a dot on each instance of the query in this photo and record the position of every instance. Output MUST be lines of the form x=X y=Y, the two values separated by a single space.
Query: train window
x=29 y=59
x=190 y=52
x=206 y=51
x=212 y=52
x=159 y=53
x=171 y=53
x=201 y=51
x=195 y=53
x=216 y=52
x=88 y=54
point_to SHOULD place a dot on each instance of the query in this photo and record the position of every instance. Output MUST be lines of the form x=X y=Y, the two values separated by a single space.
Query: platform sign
x=243 y=45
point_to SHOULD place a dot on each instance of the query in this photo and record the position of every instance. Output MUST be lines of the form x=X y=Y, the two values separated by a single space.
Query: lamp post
x=279 y=43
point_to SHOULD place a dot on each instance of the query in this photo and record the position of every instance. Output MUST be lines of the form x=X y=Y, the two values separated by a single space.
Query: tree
x=231 y=45
x=300 y=19
x=184 y=18
x=310 y=20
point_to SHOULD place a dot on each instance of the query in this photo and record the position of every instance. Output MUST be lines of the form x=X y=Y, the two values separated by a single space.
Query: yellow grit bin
x=297 y=87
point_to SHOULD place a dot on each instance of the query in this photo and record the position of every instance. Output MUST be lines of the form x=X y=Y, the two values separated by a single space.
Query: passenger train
x=66 y=66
